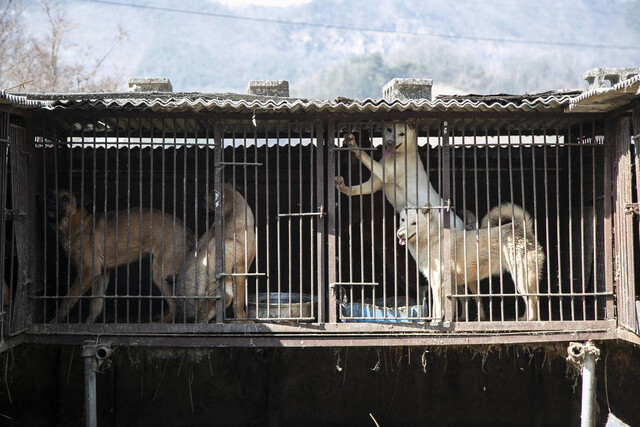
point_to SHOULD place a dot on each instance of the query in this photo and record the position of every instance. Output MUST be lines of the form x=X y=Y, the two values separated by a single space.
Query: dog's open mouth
x=389 y=149
x=403 y=238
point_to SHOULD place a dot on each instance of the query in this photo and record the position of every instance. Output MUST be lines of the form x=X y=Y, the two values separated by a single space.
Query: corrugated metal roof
x=228 y=102
x=607 y=98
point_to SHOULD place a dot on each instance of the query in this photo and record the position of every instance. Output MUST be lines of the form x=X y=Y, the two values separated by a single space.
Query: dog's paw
x=350 y=141
x=341 y=186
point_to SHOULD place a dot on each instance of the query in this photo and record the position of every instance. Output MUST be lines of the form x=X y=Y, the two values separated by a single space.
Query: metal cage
x=153 y=197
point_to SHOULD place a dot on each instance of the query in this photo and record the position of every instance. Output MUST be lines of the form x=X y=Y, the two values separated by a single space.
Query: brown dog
x=97 y=251
x=198 y=276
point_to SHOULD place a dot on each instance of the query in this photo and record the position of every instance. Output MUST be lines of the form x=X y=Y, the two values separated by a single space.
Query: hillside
x=205 y=52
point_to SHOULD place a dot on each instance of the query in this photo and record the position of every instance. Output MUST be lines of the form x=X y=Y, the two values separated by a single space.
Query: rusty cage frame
x=572 y=171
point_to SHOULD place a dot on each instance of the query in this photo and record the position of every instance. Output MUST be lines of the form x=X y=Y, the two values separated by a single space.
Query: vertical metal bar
x=140 y=284
x=256 y=214
x=488 y=206
x=463 y=215
x=525 y=207
x=352 y=202
x=446 y=228
x=289 y=219
x=499 y=260
x=595 y=216
x=218 y=224
x=268 y=215
x=93 y=217
x=174 y=182
x=331 y=220
x=128 y=257
x=163 y=200
x=245 y=186
x=361 y=222
x=513 y=233
x=546 y=220
x=321 y=147
x=117 y=214
x=82 y=218
x=582 y=220
x=534 y=174
x=373 y=225
x=4 y=290
x=163 y=224
x=431 y=297
x=570 y=210
x=163 y=297
x=183 y=254
x=300 y=220
x=210 y=281
x=278 y=230
x=407 y=293
x=558 y=219
x=45 y=230
x=234 y=289
x=56 y=186
x=104 y=241
x=477 y=203
x=453 y=226
x=395 y=227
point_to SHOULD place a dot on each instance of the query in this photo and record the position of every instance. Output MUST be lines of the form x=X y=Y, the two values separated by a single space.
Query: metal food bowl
x=290 y=307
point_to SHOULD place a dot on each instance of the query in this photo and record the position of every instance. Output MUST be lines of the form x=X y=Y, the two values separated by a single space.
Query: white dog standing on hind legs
x=400 y=172
x=510 y=247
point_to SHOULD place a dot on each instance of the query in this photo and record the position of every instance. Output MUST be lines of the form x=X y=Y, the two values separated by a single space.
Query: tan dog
x=489 y=250
x=96 y=252
x=198 y=276
x=400 y=173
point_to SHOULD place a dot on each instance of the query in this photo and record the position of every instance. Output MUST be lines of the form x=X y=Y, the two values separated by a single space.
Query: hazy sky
x=463 y=45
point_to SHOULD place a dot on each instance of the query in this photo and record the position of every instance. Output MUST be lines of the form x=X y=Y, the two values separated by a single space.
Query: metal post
x=584 y=358
x=95 y=357
x=90 y=367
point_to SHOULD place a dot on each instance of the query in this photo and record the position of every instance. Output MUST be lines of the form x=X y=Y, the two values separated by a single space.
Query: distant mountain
x=204 y=52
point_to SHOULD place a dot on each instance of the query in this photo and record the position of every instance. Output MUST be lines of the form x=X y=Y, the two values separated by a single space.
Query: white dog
x=490 y=250
x=400 y=173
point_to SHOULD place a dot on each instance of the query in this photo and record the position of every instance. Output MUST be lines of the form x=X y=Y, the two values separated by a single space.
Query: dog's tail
x=506 y=214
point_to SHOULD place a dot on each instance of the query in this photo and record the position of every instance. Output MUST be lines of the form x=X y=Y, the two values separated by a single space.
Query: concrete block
x=406 y=89
x=150 y=84
x=279 y=88
x=597 y=76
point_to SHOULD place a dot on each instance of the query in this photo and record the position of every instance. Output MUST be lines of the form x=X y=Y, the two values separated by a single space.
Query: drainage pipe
x=583 y=358
x=90 y=367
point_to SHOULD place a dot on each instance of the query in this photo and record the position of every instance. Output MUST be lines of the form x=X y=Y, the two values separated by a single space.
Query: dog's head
x=413 y=222
x=60 y=204
x=396 y=136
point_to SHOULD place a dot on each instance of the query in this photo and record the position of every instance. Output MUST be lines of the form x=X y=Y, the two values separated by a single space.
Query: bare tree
x=37 y=63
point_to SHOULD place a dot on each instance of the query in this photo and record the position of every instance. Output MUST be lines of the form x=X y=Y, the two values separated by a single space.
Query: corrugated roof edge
x=593 y=92
x=196 y=101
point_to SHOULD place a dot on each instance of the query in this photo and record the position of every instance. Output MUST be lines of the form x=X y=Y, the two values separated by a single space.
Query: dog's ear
x=412 y=123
